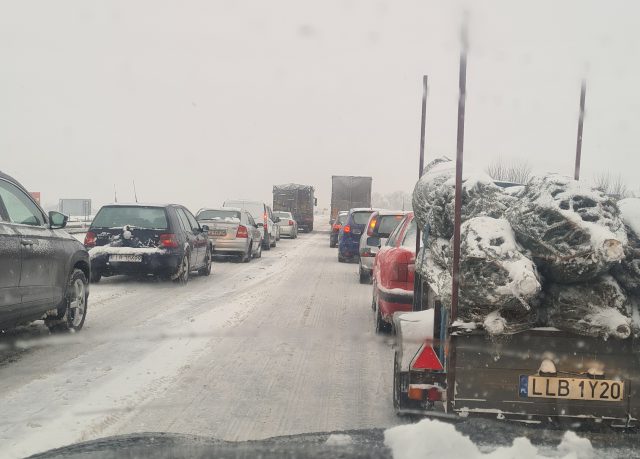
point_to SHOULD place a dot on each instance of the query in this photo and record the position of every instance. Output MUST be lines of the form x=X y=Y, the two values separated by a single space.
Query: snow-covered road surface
x=282 y=345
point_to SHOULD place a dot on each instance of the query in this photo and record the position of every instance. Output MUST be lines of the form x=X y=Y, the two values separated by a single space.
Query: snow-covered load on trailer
x=547 y=324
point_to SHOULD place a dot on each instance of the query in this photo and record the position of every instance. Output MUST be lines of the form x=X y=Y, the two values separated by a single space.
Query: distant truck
x=297 y=199
x=348 y=192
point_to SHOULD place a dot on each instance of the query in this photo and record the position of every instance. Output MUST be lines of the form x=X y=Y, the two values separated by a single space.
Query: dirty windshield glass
x=189 y=268
x=138 y=216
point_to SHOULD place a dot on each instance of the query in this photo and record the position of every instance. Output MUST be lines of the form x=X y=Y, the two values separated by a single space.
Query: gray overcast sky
x=200 y=101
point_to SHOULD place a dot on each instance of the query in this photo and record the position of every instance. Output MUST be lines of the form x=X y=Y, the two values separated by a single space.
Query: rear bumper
x=230 y=246
x=367 y=263
x=391 y=302
x=286 y=230
x=349 y=248
x=157 y=264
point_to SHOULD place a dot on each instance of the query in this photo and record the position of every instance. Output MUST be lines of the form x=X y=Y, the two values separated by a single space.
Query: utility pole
x=583 y=92
x=416 y=281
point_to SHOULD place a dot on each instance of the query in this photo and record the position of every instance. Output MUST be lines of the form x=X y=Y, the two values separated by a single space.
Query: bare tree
x=612 y=185
x=510 y=171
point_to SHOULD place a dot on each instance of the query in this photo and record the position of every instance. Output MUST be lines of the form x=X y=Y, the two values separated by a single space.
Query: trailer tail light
x=423 y=391
x=168 y=241
x=426 y=359
x=372 y=226
x=347 y=229
x=242 y=232
x=90 y=239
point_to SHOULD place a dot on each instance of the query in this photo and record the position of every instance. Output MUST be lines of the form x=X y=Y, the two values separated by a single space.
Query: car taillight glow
x=242 y=232
x=168 y=241
x=336 y=227
x=400 y=272
x=90 y=239
x=290 y=222
x=372 y=226
x=347 y=229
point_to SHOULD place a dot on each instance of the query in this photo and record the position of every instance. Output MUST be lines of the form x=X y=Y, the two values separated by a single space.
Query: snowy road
x=282 y=345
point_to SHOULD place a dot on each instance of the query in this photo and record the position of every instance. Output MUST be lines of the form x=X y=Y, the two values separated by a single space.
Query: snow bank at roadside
x=431 y=438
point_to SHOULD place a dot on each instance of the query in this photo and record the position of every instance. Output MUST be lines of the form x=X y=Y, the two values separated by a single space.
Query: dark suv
x=164 y=240
x=44 y=271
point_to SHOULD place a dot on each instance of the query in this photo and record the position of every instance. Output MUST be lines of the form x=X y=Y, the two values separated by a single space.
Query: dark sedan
x=44 y=271
x=162 y=240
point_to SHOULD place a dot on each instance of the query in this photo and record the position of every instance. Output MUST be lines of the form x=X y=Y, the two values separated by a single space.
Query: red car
x=393 y=272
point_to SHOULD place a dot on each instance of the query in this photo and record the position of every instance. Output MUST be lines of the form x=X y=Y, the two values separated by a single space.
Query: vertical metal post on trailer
x=583 y=92
x=462 y=85
x=417 y=284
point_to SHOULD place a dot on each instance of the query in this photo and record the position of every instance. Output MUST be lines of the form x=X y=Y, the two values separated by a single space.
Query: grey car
x=233 y=232
x=44 y=271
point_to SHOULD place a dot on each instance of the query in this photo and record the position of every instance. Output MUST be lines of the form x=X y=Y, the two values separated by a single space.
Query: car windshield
x=137 y=216
x=388 y=223
x=218 y=215
x=361 y=218
x=186 y=255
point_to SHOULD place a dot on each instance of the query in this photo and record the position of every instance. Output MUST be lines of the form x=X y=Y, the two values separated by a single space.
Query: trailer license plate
x=125 y=258
x=606 y=390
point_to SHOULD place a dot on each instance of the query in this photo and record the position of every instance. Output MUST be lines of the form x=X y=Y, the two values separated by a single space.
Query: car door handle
x=27 y=242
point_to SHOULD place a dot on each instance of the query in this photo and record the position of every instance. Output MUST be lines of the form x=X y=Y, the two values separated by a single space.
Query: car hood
x=344 y=444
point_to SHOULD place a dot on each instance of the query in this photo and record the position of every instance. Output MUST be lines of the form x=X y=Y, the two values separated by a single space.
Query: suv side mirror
x=57 y=220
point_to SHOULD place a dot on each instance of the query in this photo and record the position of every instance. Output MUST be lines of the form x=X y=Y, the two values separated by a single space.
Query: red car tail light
x=336 y=227
x=372 y=226
x=90 y=239
x=347 y=229
x=290 y=222
x=242 y=232
x=168 y=241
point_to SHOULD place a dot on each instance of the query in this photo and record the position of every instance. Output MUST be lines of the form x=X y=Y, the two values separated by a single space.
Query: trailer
x=445 y=367
x=349 y=192
x=297 y=199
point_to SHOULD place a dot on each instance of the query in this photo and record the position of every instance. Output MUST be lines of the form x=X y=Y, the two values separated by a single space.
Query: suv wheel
x=71 y=318
x=95 y=276
x=364 y=276
x=267 y=242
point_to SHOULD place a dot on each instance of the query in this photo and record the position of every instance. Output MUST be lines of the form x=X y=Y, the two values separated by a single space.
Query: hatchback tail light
x=242 y=232
x=90 y=239
x=400 y=272
x=169 y=241
x=347 y=229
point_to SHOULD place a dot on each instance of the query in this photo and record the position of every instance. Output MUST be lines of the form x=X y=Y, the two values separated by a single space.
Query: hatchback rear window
x=219 y=215
x=388 y=223
x=136 y=216
x=361 y=218
x=342 y=219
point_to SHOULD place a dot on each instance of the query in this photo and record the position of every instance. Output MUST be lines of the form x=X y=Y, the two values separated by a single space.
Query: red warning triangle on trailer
x=427 y=359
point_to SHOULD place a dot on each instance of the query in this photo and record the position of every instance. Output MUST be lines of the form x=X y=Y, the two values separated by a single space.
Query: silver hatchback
x=233 y=232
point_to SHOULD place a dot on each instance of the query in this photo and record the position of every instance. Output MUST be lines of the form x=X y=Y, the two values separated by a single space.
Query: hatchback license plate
x=125 y=258
x=605 y=390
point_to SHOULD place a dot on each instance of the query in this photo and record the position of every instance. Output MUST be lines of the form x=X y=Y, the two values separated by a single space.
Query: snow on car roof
x=364 y=209
x=221 y=209
x=139 y=204
x=393 y=212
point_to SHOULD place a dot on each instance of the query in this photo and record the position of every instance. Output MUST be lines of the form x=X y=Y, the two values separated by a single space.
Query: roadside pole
x=583 y=92
x=416 y=281
x=455 y=284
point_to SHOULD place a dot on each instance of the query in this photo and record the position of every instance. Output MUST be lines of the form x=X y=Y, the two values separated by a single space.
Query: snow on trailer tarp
x=566 y=230
x=292 y=187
